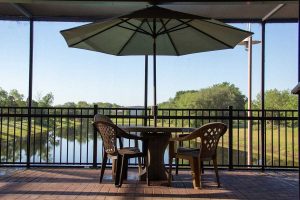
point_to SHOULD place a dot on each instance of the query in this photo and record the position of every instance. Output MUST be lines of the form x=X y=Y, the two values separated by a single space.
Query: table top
x=156 y=129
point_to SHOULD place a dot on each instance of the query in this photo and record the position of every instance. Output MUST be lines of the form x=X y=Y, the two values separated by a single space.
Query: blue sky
x=75 y=74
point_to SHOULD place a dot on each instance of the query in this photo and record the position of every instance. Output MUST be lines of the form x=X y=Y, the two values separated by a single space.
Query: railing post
x=146 y=91
x=263 y=96
x=95 y=140
x=230 y=138
x=30 y=91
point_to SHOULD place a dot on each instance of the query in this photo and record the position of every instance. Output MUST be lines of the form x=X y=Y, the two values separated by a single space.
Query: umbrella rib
x=149 y=26
x=161 y=28
x=176 y=28
x=210 y=36
x=130 y=38
x=84 y=39
x=138 y=29
x=135 y=30
x=171 y=40
x=173 y=29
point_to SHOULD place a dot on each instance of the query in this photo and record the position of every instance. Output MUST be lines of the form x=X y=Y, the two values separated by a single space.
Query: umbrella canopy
x=155 y=31
x=176 y=33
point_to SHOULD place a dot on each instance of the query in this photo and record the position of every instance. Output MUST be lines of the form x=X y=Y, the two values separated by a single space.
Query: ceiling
x=240 y=11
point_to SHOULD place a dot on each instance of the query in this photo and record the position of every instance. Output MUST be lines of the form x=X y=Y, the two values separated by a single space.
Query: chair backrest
x=99 y=117
x=210 y=138
x=108 y=133
x=210 y=134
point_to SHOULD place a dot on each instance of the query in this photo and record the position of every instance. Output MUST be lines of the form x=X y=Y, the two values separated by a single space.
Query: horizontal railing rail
x=62 y=136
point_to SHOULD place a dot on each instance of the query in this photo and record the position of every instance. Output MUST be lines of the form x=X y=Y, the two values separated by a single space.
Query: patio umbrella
x=155 y=31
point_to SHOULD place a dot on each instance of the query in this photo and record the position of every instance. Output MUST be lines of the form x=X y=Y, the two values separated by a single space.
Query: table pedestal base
x=158 y=142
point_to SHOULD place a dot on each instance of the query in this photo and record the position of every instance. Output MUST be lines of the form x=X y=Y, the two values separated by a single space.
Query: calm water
x=47 y=147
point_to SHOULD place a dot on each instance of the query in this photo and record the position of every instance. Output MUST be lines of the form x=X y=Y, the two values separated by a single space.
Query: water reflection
x=57 y=146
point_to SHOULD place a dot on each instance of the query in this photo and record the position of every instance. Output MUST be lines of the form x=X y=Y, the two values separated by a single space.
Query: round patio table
x=158 y=140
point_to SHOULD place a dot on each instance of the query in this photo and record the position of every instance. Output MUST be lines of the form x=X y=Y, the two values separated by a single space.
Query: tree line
x=218 y=96
x=14 y=98
x=223 y=95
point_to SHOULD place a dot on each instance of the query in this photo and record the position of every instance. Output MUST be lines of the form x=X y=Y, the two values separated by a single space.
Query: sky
x=74 y=75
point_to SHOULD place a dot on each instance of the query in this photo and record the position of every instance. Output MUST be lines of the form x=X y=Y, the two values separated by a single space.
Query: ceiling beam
x=22 y=10
x=272 y=12
x=146 y=1
x=93 y=19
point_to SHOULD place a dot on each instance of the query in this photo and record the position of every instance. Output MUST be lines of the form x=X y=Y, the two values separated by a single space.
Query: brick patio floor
x=66 y=183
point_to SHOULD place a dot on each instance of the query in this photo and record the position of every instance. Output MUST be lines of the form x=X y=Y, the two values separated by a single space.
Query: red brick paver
x=67 y=184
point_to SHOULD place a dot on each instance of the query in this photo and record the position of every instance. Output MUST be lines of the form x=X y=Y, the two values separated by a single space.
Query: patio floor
x=66 y=183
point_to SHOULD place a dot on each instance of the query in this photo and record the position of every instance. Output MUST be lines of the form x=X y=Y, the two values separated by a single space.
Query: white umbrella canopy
x=176 y=33
x=155 y=31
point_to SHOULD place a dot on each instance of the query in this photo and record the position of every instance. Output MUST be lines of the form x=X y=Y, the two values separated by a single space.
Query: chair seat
x=185 y=149
x=125 y=150
x=193 y=152
x=129 y=151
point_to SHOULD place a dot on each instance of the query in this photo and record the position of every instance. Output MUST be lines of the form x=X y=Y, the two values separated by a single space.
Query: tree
x=277 y=100
x=83 y=104
x=69 y=105
x=3 y=97
x=46 y=101
x=219 y=96
x=15 y=98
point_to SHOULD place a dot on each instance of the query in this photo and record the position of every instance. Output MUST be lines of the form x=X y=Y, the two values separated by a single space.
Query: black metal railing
x=65 y=136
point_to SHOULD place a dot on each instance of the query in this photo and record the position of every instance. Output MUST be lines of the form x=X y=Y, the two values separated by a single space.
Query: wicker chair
x=97 y=118
x=209 y=135
x=110 y=133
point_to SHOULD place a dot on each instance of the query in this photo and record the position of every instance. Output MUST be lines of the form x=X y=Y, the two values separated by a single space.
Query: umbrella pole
x=154 y=84
x=154 y=74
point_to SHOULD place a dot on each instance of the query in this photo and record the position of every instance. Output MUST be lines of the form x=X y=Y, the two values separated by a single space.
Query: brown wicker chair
x=109 y=133
x=97 y=118
x=209 y=135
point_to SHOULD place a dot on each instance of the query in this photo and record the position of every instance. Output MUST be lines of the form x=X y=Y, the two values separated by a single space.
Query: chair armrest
x=181 y=137
x=123 y=133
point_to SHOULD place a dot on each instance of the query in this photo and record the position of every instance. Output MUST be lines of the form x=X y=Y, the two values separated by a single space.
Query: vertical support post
x=146 y=91
x=95 y=140
x=249 y=155
x=230 y=139
x=263 y=96
x=30 y=90
x=154 y=109
x=299 y=99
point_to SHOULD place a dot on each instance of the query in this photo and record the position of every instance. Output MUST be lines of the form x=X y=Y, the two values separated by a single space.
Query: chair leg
x=147 y=171
x=118 y=173
x=103 y=166
x=114 y=168
x=200 y=172
x=194 y=162
x=123 y=170
x=170 y=171
x=176 y=165
x=140 y=165
x=202 y=167
x=216 y=171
